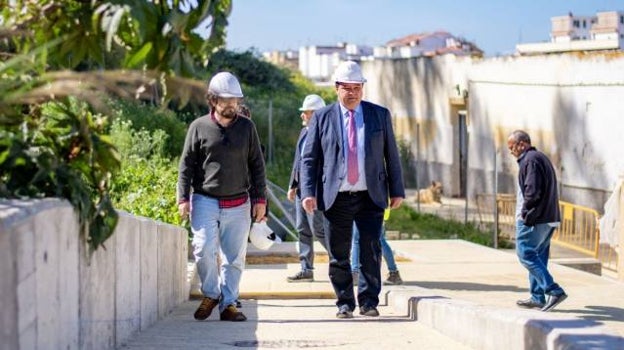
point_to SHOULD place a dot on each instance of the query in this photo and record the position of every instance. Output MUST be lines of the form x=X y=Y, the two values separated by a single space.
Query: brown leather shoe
x=205 y=308
x=231 y=313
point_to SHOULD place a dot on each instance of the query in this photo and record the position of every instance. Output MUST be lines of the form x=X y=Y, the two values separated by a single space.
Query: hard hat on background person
x=312 y=103
x=261 y=236
x=348 y=72
x=225 y=84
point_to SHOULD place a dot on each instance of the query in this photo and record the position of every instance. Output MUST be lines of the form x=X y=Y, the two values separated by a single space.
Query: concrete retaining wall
x=53 y=297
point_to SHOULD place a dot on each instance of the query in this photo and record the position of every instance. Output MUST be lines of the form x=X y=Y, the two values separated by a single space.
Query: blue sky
x=496 y=26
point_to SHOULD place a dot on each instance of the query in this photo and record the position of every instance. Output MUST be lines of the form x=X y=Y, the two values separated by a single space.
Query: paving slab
x=463 y=280
x=291 y=324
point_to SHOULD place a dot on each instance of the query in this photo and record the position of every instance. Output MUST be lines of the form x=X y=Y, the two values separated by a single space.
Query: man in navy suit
x=308 y=225
x=350 y=168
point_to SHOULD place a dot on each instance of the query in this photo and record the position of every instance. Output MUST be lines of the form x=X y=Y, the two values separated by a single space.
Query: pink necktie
x=352 y=158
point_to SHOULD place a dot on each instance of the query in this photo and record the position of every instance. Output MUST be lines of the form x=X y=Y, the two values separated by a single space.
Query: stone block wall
x=53 y=296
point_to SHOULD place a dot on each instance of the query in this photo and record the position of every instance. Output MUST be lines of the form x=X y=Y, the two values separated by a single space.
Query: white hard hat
x=312 y=103
x=225 y=84
x=348 y=72
x=261 y=236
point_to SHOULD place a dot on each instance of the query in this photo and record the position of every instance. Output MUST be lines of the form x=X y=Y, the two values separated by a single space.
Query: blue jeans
x=308 y=226
x=533 y=250
x=224 y=232
x=386 y=251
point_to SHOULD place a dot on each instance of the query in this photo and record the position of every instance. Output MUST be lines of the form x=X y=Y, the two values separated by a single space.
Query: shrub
x=429 y=226
x=61 y=150
x=150 y=118
x=146 y=184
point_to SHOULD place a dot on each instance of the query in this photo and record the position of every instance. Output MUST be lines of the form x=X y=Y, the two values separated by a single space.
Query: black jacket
x=538 y=184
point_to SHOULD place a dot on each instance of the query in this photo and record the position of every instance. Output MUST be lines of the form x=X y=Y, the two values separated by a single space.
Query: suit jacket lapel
x=367 y=117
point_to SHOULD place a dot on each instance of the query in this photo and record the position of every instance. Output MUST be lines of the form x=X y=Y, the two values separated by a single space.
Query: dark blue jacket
x=323 y=165
x=538 y=184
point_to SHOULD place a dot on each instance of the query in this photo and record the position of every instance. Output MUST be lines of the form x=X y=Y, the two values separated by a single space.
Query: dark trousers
x=358 y=208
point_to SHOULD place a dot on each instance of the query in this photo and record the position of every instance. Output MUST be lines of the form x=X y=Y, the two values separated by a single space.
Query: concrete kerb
x=485 y=327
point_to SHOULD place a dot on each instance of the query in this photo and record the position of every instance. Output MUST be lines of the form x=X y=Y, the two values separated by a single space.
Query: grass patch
x=429 y=226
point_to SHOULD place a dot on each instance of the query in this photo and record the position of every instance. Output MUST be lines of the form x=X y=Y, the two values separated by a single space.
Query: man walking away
x=537 y=216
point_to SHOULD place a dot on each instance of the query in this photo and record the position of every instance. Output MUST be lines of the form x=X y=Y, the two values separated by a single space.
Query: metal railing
x=505 y=209
x=277 y=197
x=579 y=229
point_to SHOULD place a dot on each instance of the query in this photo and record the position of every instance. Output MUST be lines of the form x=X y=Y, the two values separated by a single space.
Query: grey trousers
x=308 y=226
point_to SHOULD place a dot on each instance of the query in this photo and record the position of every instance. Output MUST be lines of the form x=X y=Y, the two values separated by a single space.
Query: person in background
x=308 y=226
x=537 y=216
x=220 y=162
x=394 y=277
x=350 y=167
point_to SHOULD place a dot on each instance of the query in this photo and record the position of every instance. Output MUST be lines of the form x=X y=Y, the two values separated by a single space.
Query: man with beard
x=220 y=162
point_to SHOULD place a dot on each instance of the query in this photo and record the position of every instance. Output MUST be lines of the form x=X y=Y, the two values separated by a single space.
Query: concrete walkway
x=456 y=294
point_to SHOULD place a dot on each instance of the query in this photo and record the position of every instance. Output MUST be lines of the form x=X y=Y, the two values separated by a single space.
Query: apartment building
x=426 y=44
x=318 y=62
x=604 y=31
x=288 y=58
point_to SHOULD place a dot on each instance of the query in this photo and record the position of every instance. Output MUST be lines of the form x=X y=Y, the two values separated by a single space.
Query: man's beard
x=229 y=113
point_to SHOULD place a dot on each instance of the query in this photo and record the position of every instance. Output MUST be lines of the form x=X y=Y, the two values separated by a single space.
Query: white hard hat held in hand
x=312 y=103
x=261 y=236
x=225 y=84
x=348 y=72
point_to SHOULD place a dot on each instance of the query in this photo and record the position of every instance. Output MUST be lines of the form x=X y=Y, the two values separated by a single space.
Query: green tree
x=52 y=135
x=156 y=35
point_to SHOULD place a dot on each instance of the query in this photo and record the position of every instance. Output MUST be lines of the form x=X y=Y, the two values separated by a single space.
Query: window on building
x=584 y=24
x=622 y=19
x=576 y=23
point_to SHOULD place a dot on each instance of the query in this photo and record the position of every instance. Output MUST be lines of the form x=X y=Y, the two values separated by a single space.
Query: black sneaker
x=553 y=301
x=394 y=278
x=301 y=276
x=369 y=311
x=344 y=312
x=530 y=304
x=238 y=304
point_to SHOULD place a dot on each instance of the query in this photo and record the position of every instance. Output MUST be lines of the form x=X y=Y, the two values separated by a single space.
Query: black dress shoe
x=553 y=301
x=369 y=311
x=530 y=304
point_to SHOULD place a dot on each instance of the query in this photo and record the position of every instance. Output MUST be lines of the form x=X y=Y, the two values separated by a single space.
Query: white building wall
x=571 y=106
